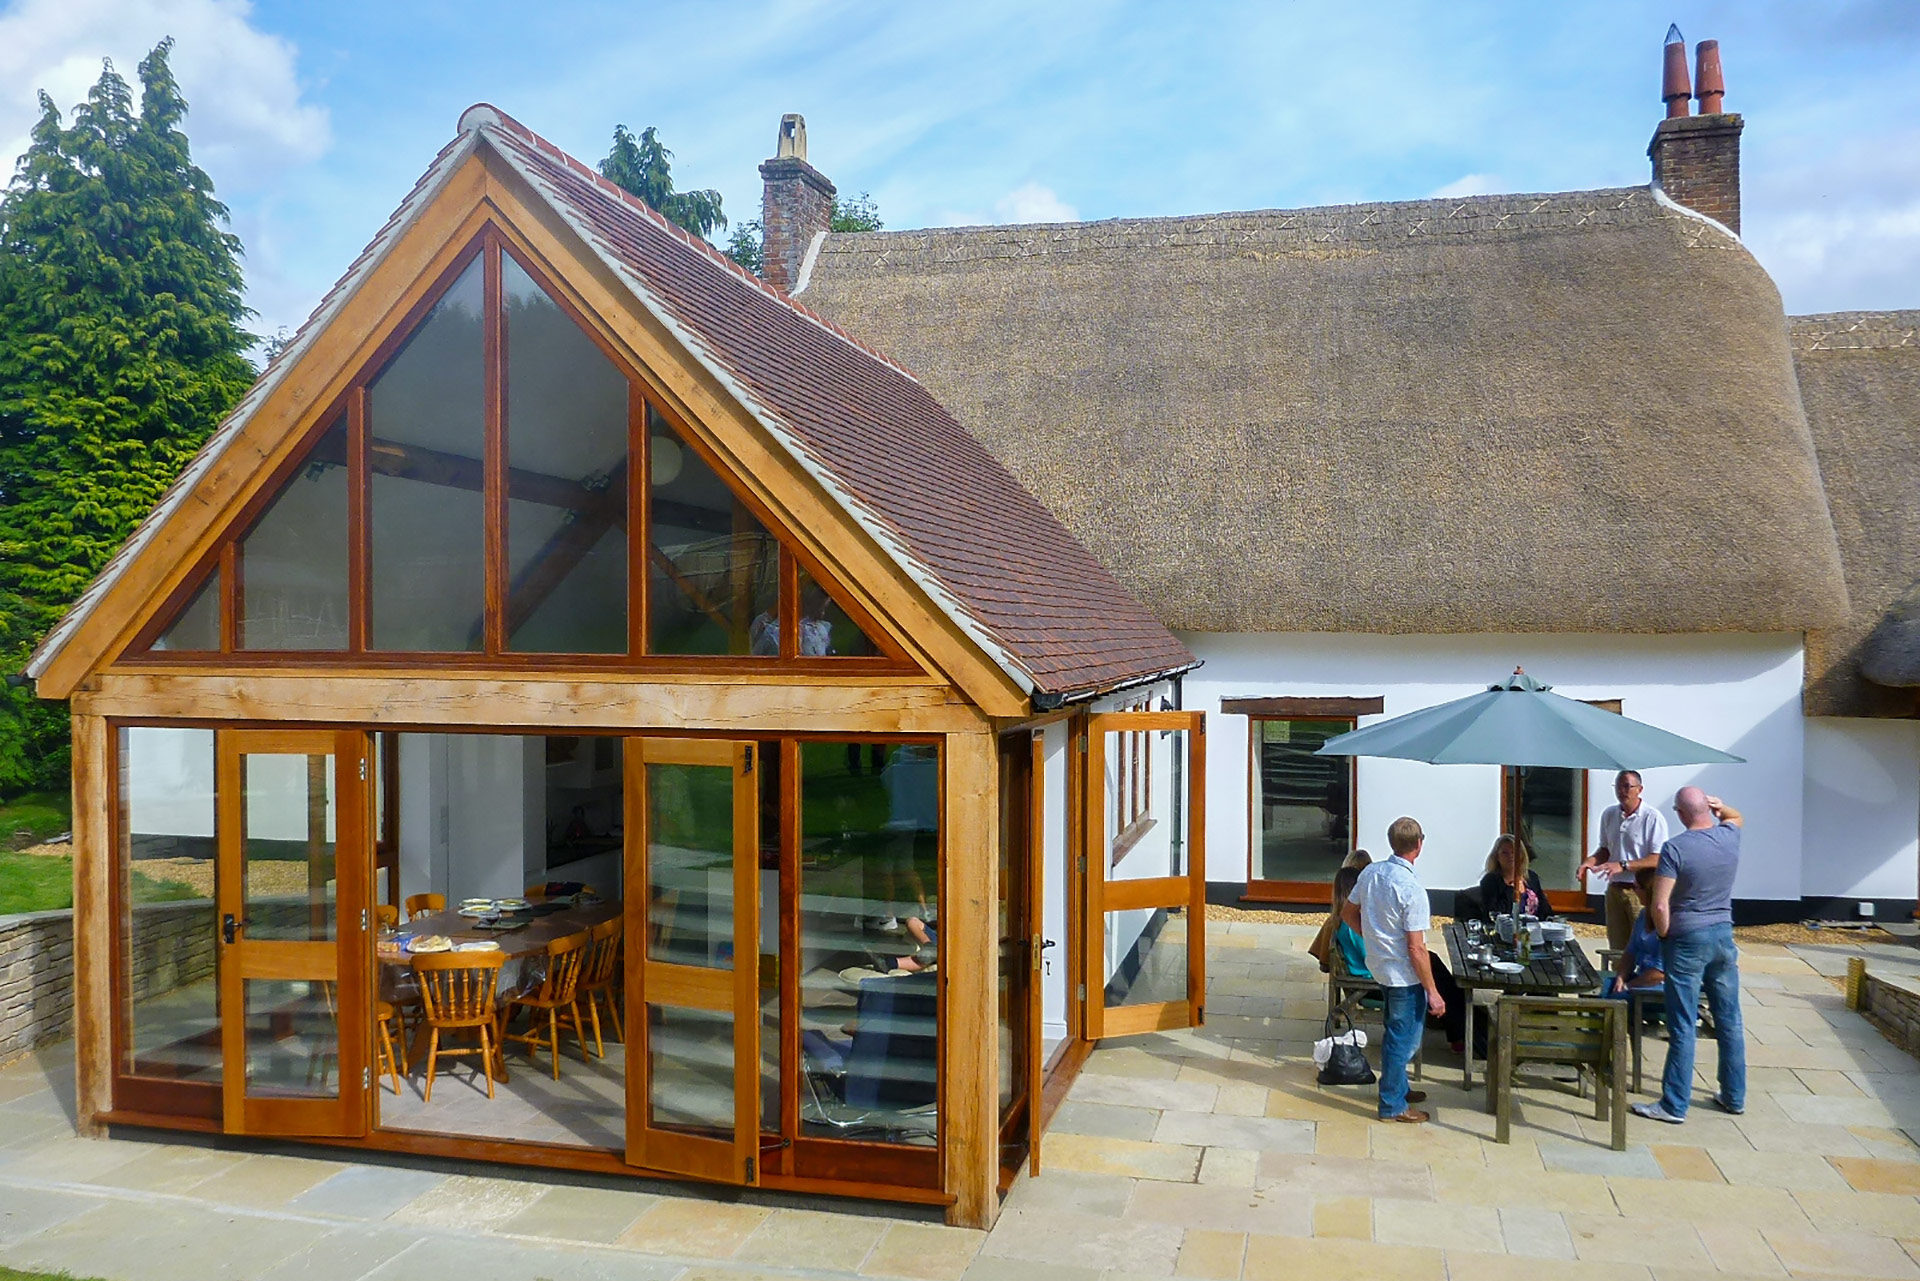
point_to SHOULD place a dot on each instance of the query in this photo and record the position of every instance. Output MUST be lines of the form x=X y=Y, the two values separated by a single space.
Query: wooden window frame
x=1259 y=709
x=489 y=243
x=1573 y=900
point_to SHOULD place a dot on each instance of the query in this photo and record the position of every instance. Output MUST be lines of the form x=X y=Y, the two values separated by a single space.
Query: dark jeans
x=1406 y=1020
x=1703 y=959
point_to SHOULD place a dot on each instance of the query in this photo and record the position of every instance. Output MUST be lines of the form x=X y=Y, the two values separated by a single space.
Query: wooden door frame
x=734 y=1160
x=1188 y=890
x=348 y=1115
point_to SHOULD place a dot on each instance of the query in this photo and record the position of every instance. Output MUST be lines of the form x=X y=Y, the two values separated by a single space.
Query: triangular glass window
x=825 y=628
x=426 y=417
x=293 y=562
x=567 y=480
x=196 y=629
x=713 y=570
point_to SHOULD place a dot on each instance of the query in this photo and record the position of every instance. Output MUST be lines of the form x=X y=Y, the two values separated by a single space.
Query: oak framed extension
x=555 y=550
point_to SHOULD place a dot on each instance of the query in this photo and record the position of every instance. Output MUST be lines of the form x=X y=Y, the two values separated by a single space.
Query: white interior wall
x=1862 y=809
x=1735 y=691
x=1055 y=742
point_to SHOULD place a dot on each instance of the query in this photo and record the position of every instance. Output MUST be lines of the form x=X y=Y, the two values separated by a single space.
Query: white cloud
x=1472 y=184
x=246 y=117
x=1032 y=202
x=1838 y=226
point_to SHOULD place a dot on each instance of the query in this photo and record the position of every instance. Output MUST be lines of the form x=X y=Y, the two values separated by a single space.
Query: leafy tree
x=644 y=167
x=120 y=349
x=747 y=245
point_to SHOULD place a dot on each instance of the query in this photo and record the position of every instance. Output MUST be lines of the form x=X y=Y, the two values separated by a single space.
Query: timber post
x=92 y=925
x=969 y=931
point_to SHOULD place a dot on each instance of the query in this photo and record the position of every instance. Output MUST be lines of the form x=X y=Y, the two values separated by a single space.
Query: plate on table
x=1505 y=967
x=509 y=904
x=431 y=943
x=480 y=912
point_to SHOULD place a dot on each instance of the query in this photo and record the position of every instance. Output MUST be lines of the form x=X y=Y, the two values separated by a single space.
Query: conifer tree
x=121 y=347
x=644 y=167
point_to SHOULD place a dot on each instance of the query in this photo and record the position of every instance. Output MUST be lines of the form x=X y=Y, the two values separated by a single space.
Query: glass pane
x=690 y=1068
x=167 y=858
x=869 y=941
x=1146 y=957
x=427 y=423
x=713 y=571
x=197 y=629
x=1304 y=814
x=1553 y=806
x=293 y=563
x=292 y=1039
x=567 y=490
x=288 y=846
x=1014 y=965
x=825 y=628
x=690 y=865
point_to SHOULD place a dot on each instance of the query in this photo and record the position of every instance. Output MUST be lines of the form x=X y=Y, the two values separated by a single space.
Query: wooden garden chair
x=391 y=1058
x=457 y=990
x=1591 y=1036
x=559 y=990
x=1638 y=999
x=601 y=979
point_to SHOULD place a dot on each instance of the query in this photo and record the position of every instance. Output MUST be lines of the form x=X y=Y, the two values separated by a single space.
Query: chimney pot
x=1711 y=82
x=1674 y=89
x=792 y=144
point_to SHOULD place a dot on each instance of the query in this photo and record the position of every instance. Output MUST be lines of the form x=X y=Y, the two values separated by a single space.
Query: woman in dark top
x=1496 y=887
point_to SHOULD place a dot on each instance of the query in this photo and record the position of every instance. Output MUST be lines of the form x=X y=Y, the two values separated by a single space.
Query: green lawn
x=8 y=1274
x=42 y=883
x=31 y=819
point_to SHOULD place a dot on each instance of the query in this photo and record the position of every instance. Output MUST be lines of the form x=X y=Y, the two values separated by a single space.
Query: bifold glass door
x=1146 y=882
x=693 y=1069
x=292 y=904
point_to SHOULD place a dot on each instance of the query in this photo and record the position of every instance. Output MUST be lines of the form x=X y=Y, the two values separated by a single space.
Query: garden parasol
x=1521 y=722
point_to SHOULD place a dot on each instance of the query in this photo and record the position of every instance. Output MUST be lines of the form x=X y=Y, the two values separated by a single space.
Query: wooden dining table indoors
x=526 y=934
x=1549 y=973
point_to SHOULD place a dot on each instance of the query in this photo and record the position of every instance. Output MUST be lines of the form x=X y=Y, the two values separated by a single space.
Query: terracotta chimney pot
x=1712 y=83
x=1674 y=89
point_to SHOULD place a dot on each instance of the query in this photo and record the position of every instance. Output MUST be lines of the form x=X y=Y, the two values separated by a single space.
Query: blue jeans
x=1406 y=1020
x=1703 y=958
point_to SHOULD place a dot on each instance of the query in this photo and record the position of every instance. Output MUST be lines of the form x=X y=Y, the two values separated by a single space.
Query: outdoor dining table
x=1549 y=974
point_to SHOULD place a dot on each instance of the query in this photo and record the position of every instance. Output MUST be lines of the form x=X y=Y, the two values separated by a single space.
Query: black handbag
x=1346 y=1062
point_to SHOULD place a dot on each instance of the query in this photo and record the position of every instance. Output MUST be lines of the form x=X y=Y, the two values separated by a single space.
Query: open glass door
x=693 y=1071
x=1146 y=882
x=291 y=889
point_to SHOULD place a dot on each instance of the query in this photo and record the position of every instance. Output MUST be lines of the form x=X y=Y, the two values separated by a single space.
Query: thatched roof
x=1860 y=379
x=1560 y=413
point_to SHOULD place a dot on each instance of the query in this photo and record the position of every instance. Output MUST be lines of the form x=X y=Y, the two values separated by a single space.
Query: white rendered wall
x=1862 y=809
x=1734 y=691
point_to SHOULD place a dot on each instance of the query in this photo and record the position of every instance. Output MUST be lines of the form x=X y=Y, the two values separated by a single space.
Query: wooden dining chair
x=390 y=1059
x=421 y=904
x=457 y=991
x=559 y=991
x=601 y=979
x=386 y=916
x=1590 y=1036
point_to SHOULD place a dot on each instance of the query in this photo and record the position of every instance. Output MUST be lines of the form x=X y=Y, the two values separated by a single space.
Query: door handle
x=231 y=926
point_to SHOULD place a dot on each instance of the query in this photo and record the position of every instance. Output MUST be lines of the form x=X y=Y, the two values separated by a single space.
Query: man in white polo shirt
x=1631 y=834
x=1389 y=908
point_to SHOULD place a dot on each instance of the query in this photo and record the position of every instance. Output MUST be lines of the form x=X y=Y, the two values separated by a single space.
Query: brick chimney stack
x=796 y=205
x=1696 y=158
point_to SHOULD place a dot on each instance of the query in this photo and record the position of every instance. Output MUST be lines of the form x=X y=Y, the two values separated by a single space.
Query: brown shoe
x=1416 y=1096
x=1412 y=1116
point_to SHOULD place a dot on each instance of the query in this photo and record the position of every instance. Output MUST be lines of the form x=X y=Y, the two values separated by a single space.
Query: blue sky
x=315 y=118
